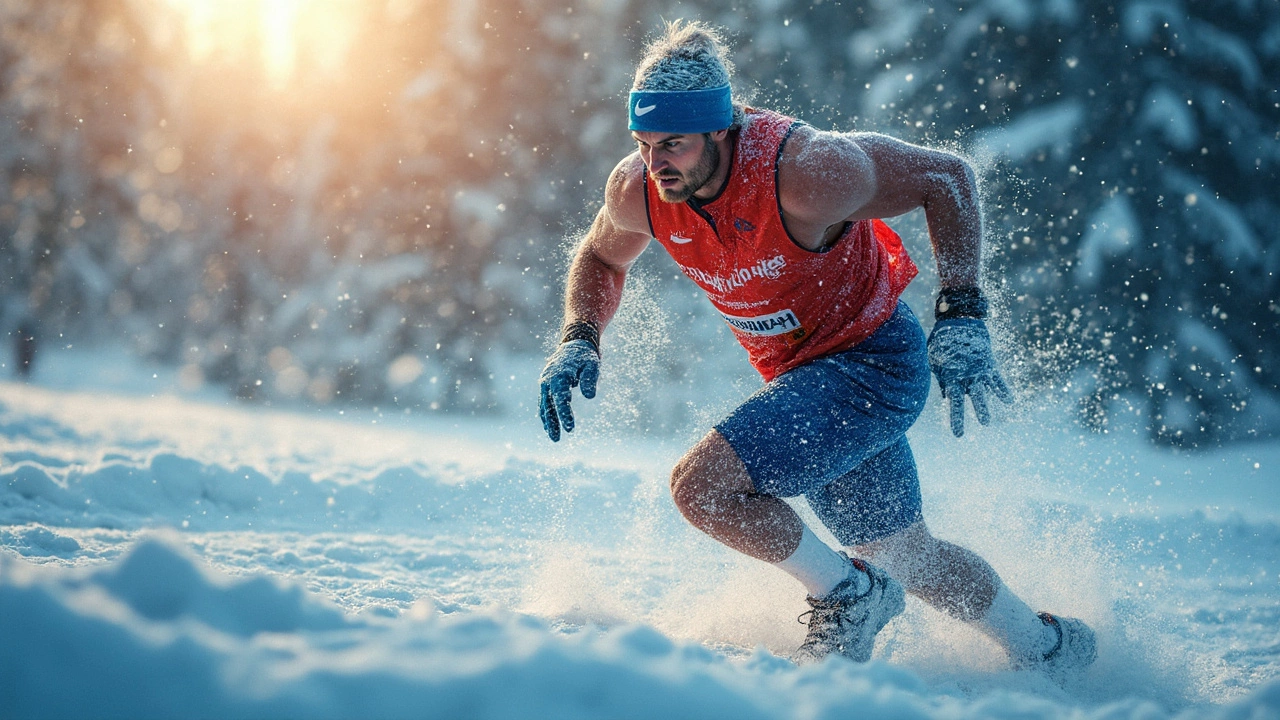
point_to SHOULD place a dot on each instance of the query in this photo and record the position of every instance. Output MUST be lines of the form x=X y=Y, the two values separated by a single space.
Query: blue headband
x=686 y=112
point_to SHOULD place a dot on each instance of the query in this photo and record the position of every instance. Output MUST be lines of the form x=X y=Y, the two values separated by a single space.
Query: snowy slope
x=166 y=556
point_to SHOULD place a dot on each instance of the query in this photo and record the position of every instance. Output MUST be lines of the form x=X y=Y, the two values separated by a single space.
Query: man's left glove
x=960 y=357
x=576 y=363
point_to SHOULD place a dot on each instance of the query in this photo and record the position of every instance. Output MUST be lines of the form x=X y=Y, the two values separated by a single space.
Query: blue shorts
x=834 y=430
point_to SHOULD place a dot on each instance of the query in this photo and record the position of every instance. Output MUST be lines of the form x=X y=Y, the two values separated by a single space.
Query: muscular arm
x=618 y=235
x=827 y=178
x=594 y=290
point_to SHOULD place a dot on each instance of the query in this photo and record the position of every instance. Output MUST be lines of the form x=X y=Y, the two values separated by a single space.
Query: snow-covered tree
x=399 y=213
x=75 y=100
x=1133 y=157
x=378 y=234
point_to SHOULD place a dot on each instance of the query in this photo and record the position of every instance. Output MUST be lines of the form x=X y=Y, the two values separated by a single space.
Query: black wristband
x=966 y=301
x=581 y=330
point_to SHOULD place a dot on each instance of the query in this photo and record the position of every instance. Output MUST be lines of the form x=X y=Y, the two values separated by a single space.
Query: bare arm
x=838 y=178
x=826 y=179
x=618 y=235
x=829 y=179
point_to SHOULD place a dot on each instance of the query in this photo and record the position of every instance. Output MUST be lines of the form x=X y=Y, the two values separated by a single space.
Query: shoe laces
x=826 y=611
x=820 y=612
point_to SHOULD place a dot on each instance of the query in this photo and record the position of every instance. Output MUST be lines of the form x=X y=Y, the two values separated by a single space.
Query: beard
x=699 y=175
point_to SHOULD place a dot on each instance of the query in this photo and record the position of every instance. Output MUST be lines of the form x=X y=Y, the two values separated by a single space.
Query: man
x=778 y=223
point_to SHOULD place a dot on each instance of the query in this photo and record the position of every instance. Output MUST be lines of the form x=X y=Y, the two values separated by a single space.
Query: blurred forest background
x=373 y=201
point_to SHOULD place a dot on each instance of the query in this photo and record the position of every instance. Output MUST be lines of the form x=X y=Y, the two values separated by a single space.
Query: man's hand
x=961 y=359
x=574 y=363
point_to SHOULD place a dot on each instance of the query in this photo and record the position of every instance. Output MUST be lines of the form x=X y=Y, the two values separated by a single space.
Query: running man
x=779 y=224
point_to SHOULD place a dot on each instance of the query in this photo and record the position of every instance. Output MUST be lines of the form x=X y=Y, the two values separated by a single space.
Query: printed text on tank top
x=785 y=304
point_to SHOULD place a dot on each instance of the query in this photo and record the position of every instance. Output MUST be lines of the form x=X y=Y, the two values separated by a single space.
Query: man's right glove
x=961 y=358
x=576 y=363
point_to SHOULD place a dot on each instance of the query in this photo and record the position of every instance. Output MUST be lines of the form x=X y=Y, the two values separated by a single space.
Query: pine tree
x=74 y=98
x=1134 y=195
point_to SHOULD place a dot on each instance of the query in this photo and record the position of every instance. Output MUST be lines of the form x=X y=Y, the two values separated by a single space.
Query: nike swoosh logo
x=644 y=110
x=680 y=240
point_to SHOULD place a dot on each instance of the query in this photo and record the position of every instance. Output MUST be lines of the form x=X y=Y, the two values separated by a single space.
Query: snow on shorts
x=834 y=430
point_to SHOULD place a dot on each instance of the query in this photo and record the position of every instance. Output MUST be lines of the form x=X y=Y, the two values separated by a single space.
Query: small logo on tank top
x=679 y=239
x=743 y=225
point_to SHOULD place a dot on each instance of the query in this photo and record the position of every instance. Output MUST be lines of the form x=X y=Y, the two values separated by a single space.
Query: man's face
x=679 y=165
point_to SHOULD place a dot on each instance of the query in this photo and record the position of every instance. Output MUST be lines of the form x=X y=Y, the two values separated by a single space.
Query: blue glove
x=574 y=363
x=960 y=357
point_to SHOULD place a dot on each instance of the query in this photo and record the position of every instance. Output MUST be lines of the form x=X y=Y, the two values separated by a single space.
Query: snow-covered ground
x=167 y=555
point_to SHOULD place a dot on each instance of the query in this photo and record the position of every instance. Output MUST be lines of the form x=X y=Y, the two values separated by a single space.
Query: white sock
x=819 y=568
x=1016 y=626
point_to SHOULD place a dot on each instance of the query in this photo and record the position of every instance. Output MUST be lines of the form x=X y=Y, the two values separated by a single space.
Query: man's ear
x=719 y=135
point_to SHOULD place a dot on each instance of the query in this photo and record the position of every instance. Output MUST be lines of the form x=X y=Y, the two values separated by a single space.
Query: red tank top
x=786 y=305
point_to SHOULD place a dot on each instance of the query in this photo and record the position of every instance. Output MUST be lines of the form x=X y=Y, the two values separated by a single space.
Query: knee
x=702 y=486
x=709 y=479
x=688 y=486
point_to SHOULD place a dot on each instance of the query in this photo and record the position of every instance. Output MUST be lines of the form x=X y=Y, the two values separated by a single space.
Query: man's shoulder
x=823 y=178
x=628 y=175
x=811 y=150
x=625 y=194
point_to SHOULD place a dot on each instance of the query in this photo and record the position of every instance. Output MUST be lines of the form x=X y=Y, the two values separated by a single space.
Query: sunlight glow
x=288 y=36
x=278 y=48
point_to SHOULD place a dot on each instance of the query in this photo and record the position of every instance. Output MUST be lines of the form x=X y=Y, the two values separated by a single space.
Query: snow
x=1217 y=47
x=1142 y=19
x=1239 y=245
x=903 y=23
x=168 y=555
x=1054 y=127
x=1169 y=114
x=1113 y=230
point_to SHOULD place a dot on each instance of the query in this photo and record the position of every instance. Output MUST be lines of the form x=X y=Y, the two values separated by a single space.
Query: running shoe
x=1074 y=651
x=846 y=623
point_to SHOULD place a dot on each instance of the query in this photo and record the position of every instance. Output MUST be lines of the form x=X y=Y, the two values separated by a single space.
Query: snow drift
x=170 y=557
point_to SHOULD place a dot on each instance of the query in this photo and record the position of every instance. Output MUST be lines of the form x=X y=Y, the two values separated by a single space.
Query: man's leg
x=804 y=430
x=961 y=584
x=947 y=576
x=712 y=489
x=875 y=511
x=850 y=600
